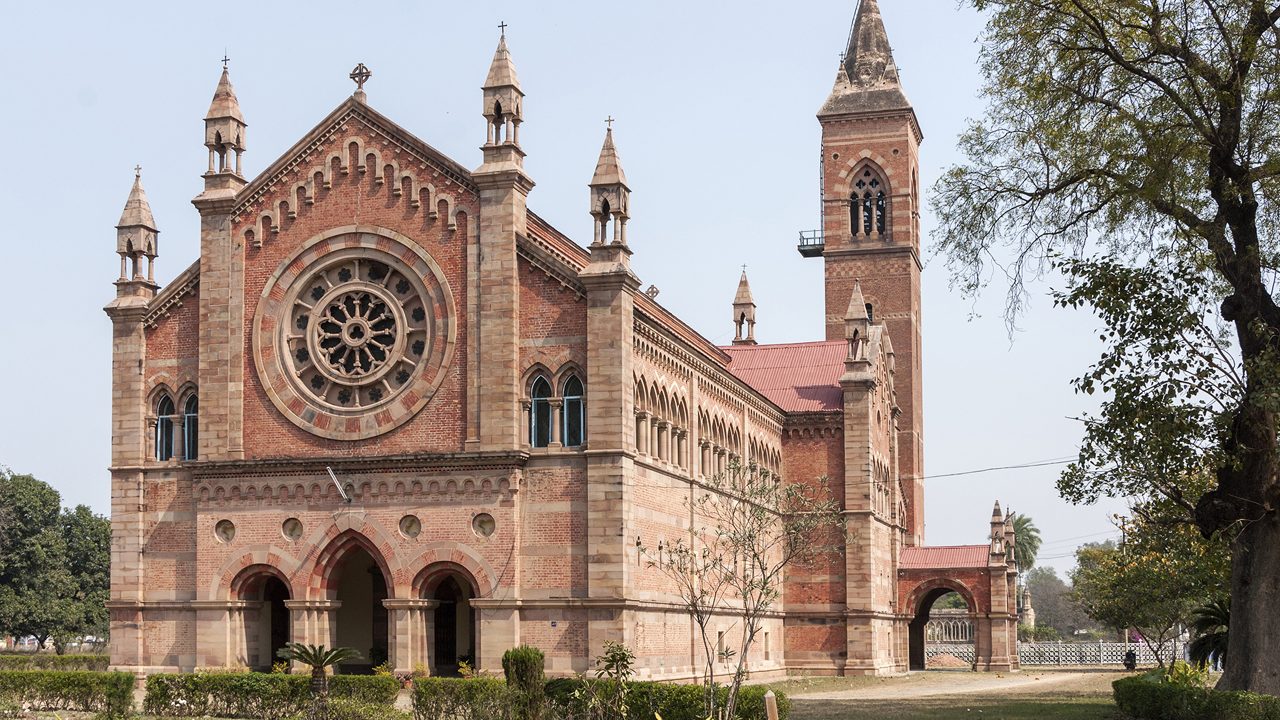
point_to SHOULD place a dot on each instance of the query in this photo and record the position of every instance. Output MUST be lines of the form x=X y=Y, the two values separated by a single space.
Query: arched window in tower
x=575 y=415
x=869 y=205
x=540 y=412
x=190 y=427
x=164 y=428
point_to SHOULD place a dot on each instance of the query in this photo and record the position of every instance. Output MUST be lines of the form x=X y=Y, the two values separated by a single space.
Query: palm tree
x=1210 y=622
x=1026 y=542
x=319 y=659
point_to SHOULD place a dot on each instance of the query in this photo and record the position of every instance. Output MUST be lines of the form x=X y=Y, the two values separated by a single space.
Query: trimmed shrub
x=456 y=699
x=349 y=709
x=365 y=689
x=45 y=661
x=257 y=695
x=110 y=694
x=671 y=701
x=523 y=669
x=1149 y=698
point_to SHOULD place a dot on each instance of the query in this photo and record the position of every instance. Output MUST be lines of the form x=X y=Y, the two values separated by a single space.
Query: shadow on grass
x=950 y=708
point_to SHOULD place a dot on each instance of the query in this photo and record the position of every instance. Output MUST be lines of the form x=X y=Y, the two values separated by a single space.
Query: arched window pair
x=569 y=429
x=869 y=205
x=166 y=415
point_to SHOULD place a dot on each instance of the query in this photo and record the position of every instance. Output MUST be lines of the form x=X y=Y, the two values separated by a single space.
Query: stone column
x=412 y=625
x=313 y=621
x=176 y=425
x=557 y=406
x=642 y=433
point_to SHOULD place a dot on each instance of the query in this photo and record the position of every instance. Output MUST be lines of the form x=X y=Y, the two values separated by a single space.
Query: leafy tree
x=1152 y=582
x=55 y=577
x=1055 y=604
x=1132 y=143
x=950 y=601
x=1026 y=541
x=1210 y=623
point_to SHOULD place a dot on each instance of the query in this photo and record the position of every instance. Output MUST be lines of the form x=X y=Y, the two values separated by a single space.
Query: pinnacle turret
x=224 y=135
x=610 y=195
x=504 y=112
x=867 y=80
x=136 y=239
x=502 y=71
x=744 y=313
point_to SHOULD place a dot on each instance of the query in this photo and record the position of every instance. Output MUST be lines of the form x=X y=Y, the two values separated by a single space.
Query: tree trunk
x=319 y=683
x=1253 y=649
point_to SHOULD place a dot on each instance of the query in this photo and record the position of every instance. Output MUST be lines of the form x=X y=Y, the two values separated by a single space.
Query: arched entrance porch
x=265 y=625
x=452 y=631
x=354 y=579
x=926 y=597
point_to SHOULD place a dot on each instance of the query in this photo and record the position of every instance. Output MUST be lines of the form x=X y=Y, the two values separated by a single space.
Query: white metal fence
x=1063 y=653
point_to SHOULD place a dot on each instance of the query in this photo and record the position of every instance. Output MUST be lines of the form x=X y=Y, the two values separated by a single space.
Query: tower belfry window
x=869 y=205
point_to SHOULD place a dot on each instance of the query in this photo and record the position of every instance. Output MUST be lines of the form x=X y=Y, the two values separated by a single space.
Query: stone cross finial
x=609 y=122
x=502 y=27
x=137 y=171
x=225 y=59
x=360 y=75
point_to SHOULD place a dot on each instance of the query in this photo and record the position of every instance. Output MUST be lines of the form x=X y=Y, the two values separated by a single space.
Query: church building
x=391 y=408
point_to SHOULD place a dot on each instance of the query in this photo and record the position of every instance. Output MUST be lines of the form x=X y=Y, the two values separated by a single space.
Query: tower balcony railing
x=812 y=243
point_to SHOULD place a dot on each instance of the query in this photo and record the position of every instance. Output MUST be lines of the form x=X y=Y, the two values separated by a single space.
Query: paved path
x=932 y=684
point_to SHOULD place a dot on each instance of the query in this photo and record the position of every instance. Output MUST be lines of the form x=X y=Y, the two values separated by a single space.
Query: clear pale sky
x=715 y=105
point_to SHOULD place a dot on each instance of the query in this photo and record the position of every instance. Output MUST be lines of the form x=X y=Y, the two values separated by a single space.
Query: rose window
x=364 y=331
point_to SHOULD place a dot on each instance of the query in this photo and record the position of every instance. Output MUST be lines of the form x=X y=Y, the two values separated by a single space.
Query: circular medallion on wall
x=483 y=524
x=291 y=529
x=354 y=333
x=410 y=526
x=225 y=531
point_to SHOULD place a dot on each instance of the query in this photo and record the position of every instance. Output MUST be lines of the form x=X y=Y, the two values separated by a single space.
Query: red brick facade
x=391 y=451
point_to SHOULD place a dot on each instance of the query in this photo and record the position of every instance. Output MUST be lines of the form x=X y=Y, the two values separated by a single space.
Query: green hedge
x=110 y=694
x=257 y=695
x=349 y=709
x=46 y=661
x=456 y=699
x=671 y=701
x=1147 y=698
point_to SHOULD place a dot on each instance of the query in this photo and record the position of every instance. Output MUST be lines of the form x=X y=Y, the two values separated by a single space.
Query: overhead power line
x=1039 y=463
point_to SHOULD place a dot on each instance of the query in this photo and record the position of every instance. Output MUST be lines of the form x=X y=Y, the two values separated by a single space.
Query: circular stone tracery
x=364 y=326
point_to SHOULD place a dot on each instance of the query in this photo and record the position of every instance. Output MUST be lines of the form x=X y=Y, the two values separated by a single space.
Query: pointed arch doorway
x=355 y=576
x=454 y=631
x=265 y=619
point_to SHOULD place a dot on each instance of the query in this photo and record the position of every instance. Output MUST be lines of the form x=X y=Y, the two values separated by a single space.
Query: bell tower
x=871 y=223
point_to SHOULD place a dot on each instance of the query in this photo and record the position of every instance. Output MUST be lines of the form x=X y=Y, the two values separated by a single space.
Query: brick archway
x=982 y=578
x=441 y=557
x=321 y=581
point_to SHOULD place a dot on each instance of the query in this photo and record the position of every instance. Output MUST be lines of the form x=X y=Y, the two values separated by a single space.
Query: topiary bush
x=523 y=669
x=110 y=694
x=1149 y=697
x=45 y=661
x=256 y=695
x=457 y=699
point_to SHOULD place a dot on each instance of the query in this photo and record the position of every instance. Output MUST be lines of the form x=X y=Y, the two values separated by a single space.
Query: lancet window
x=869 y=204
x=190 y=427
x=165 y=413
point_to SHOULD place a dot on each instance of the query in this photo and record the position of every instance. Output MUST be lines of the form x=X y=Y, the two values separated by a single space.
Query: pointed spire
x=137 y=211
x=867 y=79
x=744 y=313
x=996 y=515
x=868 y=60
x=502 y=71
x=609 y=166
x=744 y=291
x=225 y=104
x=857 y=305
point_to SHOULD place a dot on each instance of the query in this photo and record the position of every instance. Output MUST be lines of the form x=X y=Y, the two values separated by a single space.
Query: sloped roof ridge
x=298 y=153
x=177 y=289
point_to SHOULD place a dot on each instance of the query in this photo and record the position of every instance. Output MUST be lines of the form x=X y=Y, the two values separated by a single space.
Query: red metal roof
x=944 y=556
x=797 y=377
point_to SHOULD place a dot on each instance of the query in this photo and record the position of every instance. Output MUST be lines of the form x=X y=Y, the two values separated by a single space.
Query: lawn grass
x=950 y=708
